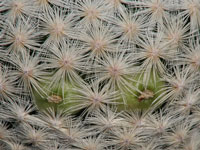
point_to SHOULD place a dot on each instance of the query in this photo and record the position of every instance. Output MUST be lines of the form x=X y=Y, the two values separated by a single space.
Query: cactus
x=99 y=74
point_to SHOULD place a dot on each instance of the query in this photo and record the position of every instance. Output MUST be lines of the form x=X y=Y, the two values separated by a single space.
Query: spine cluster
x=99 y=74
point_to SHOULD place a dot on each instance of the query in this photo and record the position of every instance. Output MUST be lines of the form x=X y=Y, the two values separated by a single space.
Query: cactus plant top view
x=99 y=74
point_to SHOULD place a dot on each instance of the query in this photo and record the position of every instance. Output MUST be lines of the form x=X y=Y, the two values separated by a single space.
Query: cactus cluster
x=99 y=74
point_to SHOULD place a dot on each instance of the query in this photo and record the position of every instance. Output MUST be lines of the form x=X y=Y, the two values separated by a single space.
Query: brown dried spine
x=145 y=95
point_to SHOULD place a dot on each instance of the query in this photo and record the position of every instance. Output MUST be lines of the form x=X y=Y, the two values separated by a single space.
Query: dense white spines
x=20 y=36
x=191 y=56
x=135 y=119
x=179 y=134
x=90 y=12
x=129 y=27
x=125 y=138
x=18 y=111
x=159 y=123
x=92 y=97
x=88 y=55
x=153 y=53
x=156 y=10
x=191 y=10
x=192 y=144
x=34 y=135
x=98 y=40
x=43 y=5
x=67 y=59
x=7 y=88
x=177 y=32
x=16 y=9
x=56 y=25
x=5 y=134
x=105 y=121
x=188 y=102
x=177 y=83
x=27 y=72
x=90 y=143
x=116 y=70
